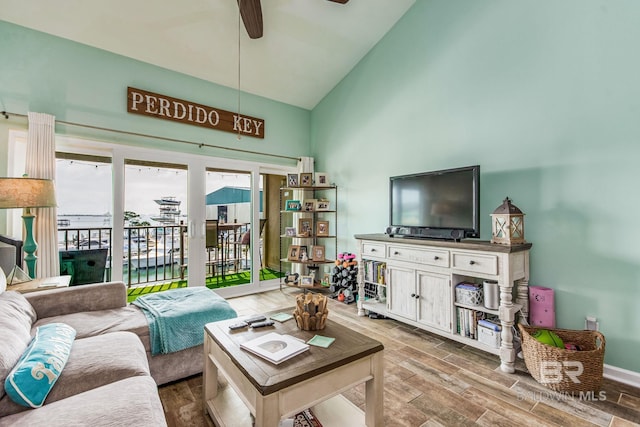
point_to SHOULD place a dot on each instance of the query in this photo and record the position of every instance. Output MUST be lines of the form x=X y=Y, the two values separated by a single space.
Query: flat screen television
x=442 y=204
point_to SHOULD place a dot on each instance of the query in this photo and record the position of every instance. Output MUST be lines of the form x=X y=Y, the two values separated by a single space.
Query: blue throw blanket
x=177 y=316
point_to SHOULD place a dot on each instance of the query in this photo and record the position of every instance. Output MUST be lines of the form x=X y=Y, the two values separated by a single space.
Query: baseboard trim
x=622 y=375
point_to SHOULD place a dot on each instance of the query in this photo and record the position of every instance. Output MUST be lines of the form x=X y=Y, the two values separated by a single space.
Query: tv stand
x=414 y=281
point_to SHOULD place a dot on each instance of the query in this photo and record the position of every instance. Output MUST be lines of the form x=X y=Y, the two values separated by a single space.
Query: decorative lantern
x=507 y=224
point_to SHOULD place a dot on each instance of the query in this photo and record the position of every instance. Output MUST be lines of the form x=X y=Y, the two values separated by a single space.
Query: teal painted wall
x=545 y=97
x=81 y=84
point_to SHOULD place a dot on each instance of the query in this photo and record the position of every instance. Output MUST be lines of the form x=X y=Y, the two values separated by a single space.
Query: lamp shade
x=27 y=193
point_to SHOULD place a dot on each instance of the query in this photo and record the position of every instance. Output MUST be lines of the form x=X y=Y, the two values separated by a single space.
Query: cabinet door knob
x=373 y=250
x=472 y=262
x=417 y=296
x=435 y=258
x=396 y=253
x=413 y=295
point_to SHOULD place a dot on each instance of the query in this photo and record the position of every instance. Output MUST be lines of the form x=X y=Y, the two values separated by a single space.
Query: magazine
x=275 y=347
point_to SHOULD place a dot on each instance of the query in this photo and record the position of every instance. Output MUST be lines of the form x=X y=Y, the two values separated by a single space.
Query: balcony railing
x=151 y=253
x=155 y=254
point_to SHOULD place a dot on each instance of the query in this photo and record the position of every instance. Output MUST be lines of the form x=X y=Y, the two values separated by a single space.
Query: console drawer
x=373 y=250
x=487 y=264
x=435 y=257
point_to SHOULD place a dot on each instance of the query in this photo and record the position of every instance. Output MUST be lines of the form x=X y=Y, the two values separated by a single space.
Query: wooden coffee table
x=272 y=392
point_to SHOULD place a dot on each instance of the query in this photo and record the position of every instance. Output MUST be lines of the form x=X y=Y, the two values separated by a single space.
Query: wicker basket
x=558 y=368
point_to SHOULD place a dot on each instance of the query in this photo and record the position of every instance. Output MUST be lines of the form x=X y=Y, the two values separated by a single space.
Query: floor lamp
x=27 y=193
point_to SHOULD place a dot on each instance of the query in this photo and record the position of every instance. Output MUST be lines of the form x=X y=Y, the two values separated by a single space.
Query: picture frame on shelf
x=303 y=254
x=294 y=253
x=306 y=281
x=292 y=180
x=306 y=179
x=323 y=205
x=322 y=179
x=308 y=205
x=317 y=253
x=305 y=227
x=326 y=280
x=287 y=194
x=292 y=278
x=293 y=205
x=290 y=231
x=322 y=228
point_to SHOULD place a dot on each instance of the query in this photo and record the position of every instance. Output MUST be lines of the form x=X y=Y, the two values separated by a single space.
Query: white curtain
x=41 y=163
x=306 y=164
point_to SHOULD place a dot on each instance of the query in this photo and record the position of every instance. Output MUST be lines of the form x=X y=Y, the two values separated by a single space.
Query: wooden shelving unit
x=318 y=211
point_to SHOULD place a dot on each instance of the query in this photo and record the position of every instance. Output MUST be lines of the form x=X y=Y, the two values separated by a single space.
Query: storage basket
x=562 y=370
x=469 y=294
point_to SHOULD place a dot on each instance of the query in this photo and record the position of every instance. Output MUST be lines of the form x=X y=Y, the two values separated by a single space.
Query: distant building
x=230 y=204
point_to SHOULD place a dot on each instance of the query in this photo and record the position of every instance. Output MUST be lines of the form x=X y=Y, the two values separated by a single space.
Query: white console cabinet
x=413 y=281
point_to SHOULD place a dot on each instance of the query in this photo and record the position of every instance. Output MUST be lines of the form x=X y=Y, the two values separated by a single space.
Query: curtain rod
x=162 y=138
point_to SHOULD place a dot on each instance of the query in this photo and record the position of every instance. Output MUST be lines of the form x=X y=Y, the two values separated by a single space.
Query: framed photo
x=309 y=205
x=292 y=180
x=322 y=228
x=323 y=205
x=306 y=281
x=317 y=253
x=322 y=179
x=305 y=227
x=303 y=255
x=306 y=179
x=294 y=253
x=290 y=231
x=293 y=205
x=287 y=194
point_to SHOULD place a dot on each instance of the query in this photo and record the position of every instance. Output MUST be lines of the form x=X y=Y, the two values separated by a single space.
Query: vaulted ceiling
x=308 y=46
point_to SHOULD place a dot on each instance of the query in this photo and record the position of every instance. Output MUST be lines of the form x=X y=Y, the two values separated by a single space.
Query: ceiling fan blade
x=251 y=12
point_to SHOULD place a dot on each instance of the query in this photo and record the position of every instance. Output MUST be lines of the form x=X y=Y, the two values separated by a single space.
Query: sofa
x=111 y=376
x=102 y=307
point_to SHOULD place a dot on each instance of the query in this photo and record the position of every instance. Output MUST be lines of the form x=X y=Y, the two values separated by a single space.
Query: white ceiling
x=307 y=48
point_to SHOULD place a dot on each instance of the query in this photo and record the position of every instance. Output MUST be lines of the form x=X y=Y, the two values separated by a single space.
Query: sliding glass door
x=179 y=218
x=155 y=245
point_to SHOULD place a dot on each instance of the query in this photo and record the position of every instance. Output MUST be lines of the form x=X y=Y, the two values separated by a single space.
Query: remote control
x=262 y=324
x=240 y=325
x=253 y=319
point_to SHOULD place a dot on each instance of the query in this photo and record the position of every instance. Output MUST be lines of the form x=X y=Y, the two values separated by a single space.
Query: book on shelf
x=467 y=321
x=274 y=347
x=374 y=271
x=305 y=418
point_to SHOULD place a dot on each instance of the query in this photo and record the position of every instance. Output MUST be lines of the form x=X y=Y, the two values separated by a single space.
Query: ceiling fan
x=251 y=12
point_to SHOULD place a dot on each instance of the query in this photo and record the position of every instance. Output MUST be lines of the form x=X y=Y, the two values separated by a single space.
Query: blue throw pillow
x=33 y=377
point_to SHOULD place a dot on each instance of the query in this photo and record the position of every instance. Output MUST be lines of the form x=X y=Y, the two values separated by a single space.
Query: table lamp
x=27 y=193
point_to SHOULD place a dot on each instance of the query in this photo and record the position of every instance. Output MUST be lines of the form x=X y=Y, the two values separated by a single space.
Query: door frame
x=197 y=165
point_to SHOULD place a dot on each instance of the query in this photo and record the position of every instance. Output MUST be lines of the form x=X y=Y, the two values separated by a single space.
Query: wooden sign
x=178 y=110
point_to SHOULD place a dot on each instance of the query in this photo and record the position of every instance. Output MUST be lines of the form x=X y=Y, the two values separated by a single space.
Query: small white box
x=488 y=336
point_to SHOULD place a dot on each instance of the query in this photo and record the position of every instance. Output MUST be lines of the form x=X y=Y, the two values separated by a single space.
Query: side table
x=41 y=284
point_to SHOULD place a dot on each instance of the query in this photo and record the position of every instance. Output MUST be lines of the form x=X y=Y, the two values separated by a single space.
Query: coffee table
x=272 y=392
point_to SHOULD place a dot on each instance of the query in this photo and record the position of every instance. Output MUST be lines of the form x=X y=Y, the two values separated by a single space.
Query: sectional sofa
x=110 y=377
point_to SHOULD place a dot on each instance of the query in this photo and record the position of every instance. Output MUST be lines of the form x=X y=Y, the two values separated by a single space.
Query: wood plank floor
x=432 y=381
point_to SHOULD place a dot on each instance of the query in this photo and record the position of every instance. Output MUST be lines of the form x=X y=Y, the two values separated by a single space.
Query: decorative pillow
x=33 y=377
